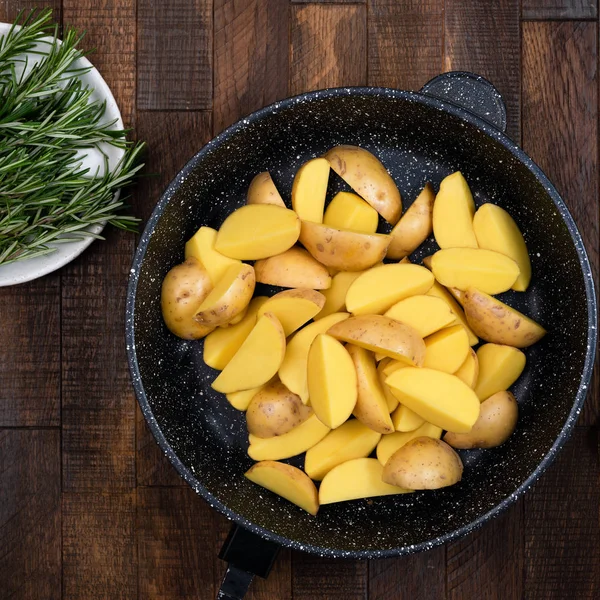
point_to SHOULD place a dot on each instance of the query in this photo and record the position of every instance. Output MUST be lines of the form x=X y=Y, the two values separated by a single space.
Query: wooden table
x=89 y=508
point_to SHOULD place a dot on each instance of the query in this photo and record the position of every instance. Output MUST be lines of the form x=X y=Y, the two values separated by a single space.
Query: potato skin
x=262 y=190
x=423 y=463
x=275 y=410
x=496 y=423
x=183 y=290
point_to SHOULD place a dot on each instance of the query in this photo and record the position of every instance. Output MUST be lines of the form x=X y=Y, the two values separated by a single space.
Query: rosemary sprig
x=46 y=118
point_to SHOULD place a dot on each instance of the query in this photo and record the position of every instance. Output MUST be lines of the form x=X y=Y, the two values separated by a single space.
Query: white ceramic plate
x=26 y=270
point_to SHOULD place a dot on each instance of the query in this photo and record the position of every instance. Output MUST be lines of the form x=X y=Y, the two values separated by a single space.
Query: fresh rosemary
x=46 y=117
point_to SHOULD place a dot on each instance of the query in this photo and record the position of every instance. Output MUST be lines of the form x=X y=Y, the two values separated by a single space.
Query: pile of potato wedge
x=358 y=356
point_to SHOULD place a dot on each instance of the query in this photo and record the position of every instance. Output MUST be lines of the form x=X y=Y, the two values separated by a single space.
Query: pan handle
x=248 y=555
x=470 y=92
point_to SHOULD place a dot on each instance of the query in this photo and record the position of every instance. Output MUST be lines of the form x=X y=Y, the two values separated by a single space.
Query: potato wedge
x=241 y=400
x=391 y=366
x=404 y=419
x=341 y=249
x=427 y=261
x=392 y=442
x=453 y=214
x=414 y=227
x=425 y=314
x=355 y=479
x=335 y=296
x=262 y=190
x=365 y=174
x=391 y=400
x=286 y=481
x=293 y=308
x=258 y=231
x=499 y=323
x=309 y=189
x=294 y=268
x=382 y=334
x=349 y=441
x=499 y=367
x=349 y=211
x=469 y=370
x=447 y=349
x=439 y=398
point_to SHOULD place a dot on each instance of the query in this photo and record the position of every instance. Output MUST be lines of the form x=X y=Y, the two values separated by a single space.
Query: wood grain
x=30 y=517
x=9 y=10
x=174 y=54
x=560 y=9
x=329 y=1
x=251 y=57
x=406 y=42
x=562 y=535
x=484 y=37
x=328 y=47
x=560 y=86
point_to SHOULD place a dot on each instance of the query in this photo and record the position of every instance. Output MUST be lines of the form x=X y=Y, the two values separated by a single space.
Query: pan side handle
x=248 y=555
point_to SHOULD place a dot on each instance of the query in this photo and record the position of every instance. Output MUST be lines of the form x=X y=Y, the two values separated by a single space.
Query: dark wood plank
x=484 y=37
x=30 y=517
x=406 y=39
x=328 y=1
x=328 y=46
x=251 y=57
x=560 y=87
x=562 y=526
x=10 y=10
x=174 y=50
x=99 y=555
x=560 y=9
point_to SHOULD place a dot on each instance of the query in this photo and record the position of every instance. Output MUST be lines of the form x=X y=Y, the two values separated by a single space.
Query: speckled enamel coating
x=419 y=139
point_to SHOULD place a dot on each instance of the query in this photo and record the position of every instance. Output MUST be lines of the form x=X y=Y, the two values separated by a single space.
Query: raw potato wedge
x=391 y=400
x=355 y=479
x=286 y=481
x=241 y=400
x=496 y=230
x=237 y=318
x=414 y=227
x=485 y=270
x=382 y=334
x=391 y=366
x=392 y=442
x=499 y=367
x=447 y=349
x=469 y=370
x=294 y=442
x=229 y=297
x=258 y=231
x=378 y=289
x=365 y=174
x=349 y=441
x=262 y=190
x=309 y=189
x=425 y=314
x=439 y=398
x=221 y=345
x=497 y=322
x=453 y=214
x=349 y=211
x=257 y=360
x=343 y=249
x=371 y=406
x=427 y=261
x=294 y=268
x=293 y=308
x=332 y=387
x=202 y=247
x=293 y=370
x=335 y=296
x=405 y=419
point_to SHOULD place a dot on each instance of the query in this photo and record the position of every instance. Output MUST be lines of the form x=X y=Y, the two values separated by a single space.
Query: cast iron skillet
x=456 y=122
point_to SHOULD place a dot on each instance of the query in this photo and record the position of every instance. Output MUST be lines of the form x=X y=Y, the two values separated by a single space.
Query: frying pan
x=456 y=122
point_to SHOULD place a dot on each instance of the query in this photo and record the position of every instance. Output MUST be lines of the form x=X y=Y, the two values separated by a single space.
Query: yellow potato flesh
x=354 y=479
x=292 y=443
x=469 y=370
x=335 y=296
x=293 y=308
x=496 y=230
x=262 y=190
x=453 y=214
x=258 y=231
x=393 y=365
x=309 y=189
x=349 y=211
x=371 y=405
x=392 y=442
x=405 y=419
x=293 y=369
x=447 y=349
x=349 y=441
x=221 y=345
x=241 y=400
x=426 y=314
x=384 y=335
x=439 y=398
x=257 y=360
x=202 y=247
x=499 y=367
x=332 y=385
x=286 y=481
x=486 y=270
x=391 y=400
x=378 y=289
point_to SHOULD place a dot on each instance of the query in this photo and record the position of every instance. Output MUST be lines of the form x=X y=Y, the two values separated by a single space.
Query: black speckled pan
x=419 y=137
